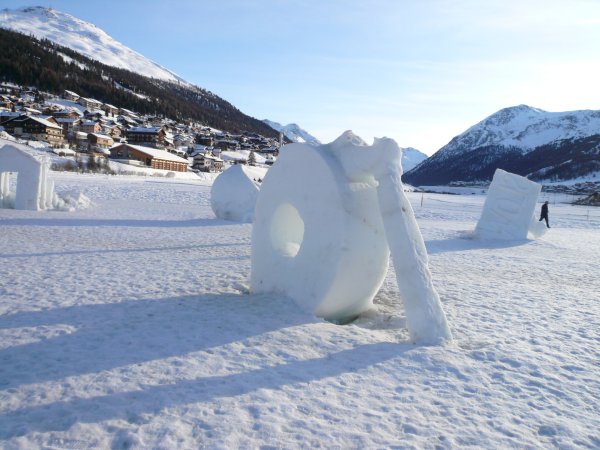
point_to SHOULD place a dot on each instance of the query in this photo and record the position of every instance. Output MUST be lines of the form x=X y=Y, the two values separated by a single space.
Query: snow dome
x=325 y=221
x=234 y=193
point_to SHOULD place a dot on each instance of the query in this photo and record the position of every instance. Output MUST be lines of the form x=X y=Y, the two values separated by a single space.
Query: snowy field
x=129 y=325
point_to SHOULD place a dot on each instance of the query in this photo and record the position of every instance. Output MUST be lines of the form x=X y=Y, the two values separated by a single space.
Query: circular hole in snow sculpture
x=287 y=230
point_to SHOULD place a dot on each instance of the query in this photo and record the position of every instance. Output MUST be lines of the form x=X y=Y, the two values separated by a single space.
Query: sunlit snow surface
x=128 y=324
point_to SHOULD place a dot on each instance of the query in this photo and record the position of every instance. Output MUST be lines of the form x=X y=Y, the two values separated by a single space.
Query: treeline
x=27 y=61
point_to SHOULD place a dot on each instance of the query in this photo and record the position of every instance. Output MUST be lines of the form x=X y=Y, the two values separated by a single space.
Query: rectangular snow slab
x=508 y=208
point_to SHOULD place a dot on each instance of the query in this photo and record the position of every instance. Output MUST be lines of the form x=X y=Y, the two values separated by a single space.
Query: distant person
x=544 y=214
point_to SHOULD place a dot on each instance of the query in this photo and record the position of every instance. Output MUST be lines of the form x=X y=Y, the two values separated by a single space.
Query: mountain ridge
x=560 y=141
x=47 y=66
x=84 y=38
x=294 y=132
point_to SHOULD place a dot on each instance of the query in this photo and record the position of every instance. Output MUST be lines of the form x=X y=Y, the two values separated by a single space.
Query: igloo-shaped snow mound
x=324 y=224
x=34 y=191
x=234 y=192
x=509 y=208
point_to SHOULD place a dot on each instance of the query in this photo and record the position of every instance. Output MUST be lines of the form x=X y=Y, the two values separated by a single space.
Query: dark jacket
x=545 y=210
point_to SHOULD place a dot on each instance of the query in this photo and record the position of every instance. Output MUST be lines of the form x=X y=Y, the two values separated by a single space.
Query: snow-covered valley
x=129 y=325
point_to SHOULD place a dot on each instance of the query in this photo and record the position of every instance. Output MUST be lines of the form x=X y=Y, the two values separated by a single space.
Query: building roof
x=144 y=130
x=155 y=153
x=101 y=136
x=90 y=100
x=44 y=121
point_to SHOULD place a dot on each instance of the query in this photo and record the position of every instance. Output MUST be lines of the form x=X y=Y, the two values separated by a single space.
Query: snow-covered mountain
x=294 y=133
x=83 y=37
x=525 y=128
x=521 y=139
x=411 y=157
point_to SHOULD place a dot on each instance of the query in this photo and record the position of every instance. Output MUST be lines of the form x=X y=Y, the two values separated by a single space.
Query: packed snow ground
x=129 y=325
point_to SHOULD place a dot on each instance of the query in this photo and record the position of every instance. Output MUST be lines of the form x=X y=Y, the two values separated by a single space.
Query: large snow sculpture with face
x=324 y=224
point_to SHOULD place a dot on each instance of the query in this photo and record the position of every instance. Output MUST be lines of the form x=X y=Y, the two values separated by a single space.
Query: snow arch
x=325 y=221
x=33 y=190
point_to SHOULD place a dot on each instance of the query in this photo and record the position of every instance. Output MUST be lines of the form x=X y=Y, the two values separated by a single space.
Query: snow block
x=509 y=207
x=33 y=190
x=325 y=221
x=233 y=194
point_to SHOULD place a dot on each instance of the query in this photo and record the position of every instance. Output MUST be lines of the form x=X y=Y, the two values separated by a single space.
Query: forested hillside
x=49 y=67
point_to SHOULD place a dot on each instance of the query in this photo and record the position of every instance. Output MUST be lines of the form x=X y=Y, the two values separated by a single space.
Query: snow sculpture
x=508 y=211
x=325 y=222
x=33 y=192
x=233 y=194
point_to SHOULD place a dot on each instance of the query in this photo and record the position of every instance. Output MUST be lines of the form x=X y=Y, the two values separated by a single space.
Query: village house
x=150 y=157
x=227 y=145
x=70 y=95
x=207 y=162
x=90 y=126
x=5 y=116
x=6 y=102
x=68 y=124
x=96 y=142
x=148 y=136
x=63 y=113
x=89 y=103
x=127 y=112
x=110 y=109
x=41 y=128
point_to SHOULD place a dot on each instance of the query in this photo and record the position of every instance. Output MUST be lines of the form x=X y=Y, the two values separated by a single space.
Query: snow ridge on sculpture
x=325 y=241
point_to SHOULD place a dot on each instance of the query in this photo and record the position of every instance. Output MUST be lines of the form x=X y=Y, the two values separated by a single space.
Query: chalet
x=81 y=140
x=5 y=116
x=41 y=128
x=90 y=126
x=127 y=121
x=6 y=102
x=205 y=139
x=89 y=103
x=70 y=95
x=68 y=124
x=150 y=157
x=148 y=136
x=63 y=113
x=110 y=109
x=227 y=144
x=207 y=162
x=127 y=112
x=115 y=131
x=96 y=114
x=96 y=142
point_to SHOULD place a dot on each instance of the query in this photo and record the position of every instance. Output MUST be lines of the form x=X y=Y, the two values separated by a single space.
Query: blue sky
x=420 y=72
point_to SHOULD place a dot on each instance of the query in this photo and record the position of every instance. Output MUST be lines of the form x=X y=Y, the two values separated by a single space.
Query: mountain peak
x=293 y=132
x=82 y=37
x=521 y=139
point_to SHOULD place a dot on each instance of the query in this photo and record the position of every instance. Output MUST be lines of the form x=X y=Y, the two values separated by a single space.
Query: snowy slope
x=294 y=133
x=526 y=128
x=83 y=37
x=546 y=146
x=129 y=325
x=411 y=157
